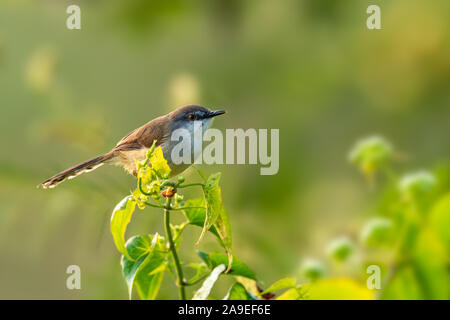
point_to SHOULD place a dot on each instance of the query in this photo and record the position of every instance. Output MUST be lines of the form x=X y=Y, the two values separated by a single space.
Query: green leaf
x=249 y=284
x=120 y=218
x=207 y=285
x=146 y=270
x=223 y=227
x=281 y=284
x=430 y=266
x=238 y=268
x=440 y=220
x=238 y=292
x=216 y=214
x=196 y=216
x=213 y=202
x=403 y=286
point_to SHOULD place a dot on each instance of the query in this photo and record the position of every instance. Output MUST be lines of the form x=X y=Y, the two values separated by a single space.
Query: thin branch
x=191 y=283
x=154 y=205
x=183 y=208
x=190 y=185
x=141 y=189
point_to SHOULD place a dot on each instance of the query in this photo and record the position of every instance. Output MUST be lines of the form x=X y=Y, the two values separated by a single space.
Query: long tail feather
x=71 y=173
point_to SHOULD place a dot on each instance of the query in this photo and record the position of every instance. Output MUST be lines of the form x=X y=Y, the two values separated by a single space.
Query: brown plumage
x=134 y=145
x=77 y=170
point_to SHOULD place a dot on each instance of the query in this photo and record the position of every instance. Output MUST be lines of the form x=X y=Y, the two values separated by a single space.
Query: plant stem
x=190 y=185
x=184 y=208
x=196 y=281
x=154 y=205
x=402 y=254
x=172 y=248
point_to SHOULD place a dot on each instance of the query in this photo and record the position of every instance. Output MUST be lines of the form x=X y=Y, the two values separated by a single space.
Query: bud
x=138 y=165
x=377 y=232
x=312 y=269
x=417 y=183
x=340 y=248
x=181 y=179
x=370 y=154
x=178 y=198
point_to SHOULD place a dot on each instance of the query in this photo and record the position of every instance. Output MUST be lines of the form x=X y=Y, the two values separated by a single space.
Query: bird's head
x=185 y=117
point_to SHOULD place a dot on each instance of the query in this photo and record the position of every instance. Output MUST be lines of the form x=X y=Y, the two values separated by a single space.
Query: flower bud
x=371 y=153
x=312 y=269
x=178 y=198
x=377 y=232
x=341 y=248
x=417 y=183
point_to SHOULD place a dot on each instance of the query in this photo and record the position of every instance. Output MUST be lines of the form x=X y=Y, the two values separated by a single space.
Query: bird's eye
x=192 y=117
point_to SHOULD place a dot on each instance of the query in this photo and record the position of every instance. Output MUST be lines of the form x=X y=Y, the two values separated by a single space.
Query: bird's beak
x=215 y=113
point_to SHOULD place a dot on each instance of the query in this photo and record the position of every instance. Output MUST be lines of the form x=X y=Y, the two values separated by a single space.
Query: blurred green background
x=310 y=68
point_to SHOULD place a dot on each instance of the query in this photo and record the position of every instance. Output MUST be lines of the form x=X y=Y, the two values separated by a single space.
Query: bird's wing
x=144 y=136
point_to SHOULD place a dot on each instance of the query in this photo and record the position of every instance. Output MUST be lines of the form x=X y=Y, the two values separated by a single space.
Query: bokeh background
x=310 y=68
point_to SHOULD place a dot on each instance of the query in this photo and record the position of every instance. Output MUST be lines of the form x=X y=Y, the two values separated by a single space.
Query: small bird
x=134 y=145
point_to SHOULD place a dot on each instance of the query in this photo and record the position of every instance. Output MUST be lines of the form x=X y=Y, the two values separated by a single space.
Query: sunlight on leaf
x=159 y=163
x=403 y=286
x=216 y=214
x=238 y=292
x=440 y=220
x=207 y=285
x=238 y=268
x=120 y=218
x=281 y=284
x=249 y=284
x=146 y=270
x=213 y=202
x=430 y=266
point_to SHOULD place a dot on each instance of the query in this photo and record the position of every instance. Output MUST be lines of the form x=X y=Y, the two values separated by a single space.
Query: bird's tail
x=77 y=170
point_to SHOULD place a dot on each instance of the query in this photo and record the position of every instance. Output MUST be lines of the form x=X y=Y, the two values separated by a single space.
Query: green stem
x=154 y=205
x=141 y=189
x=183 y=208
x=180 y=278
x=402 y=253
x=191 y=283
x=190 y=185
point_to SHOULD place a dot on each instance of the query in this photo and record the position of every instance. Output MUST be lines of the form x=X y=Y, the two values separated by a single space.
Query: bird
x=134 y=146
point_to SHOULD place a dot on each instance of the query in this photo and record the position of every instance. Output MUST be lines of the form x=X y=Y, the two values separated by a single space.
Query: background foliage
x=310 y=68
